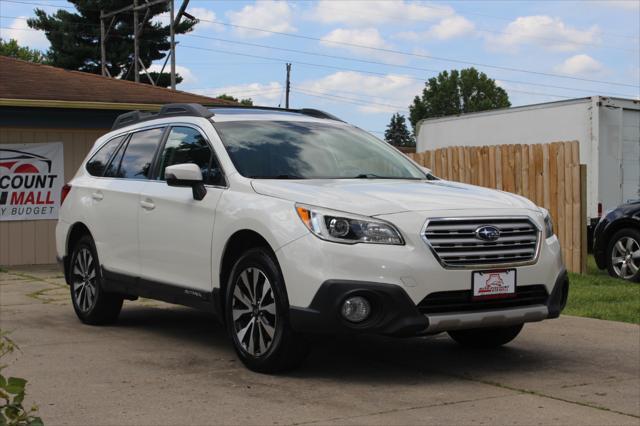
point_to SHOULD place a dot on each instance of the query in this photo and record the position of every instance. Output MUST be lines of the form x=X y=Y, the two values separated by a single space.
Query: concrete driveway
x=170 y=365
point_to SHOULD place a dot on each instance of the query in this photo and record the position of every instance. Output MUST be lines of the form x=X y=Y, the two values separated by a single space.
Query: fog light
x=356 y=309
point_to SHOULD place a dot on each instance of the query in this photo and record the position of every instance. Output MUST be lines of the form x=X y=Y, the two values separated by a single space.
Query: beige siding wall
x=33 y=241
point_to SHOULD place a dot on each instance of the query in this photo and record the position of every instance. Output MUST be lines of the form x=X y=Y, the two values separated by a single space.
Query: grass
x=598 y=295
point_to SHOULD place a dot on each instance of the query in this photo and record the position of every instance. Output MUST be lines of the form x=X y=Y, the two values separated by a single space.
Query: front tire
x=623 y=255
x=256 y=311
x=91 y=303
x=486 y=337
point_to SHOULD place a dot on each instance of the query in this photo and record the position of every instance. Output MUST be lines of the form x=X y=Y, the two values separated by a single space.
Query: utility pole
x=287 y=87
x=173 y=45
x=136 y=47
x=137 y=32
x=103 y=47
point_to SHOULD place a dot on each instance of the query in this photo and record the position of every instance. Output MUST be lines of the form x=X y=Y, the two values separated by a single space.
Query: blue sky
x=538 y=51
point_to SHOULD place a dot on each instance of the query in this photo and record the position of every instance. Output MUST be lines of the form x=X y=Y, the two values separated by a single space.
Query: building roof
x=25 y=83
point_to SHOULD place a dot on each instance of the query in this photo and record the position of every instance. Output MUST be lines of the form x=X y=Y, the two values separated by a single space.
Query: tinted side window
x=138 y=155
x=187 y=145
x=97 y=164
x=112 y=168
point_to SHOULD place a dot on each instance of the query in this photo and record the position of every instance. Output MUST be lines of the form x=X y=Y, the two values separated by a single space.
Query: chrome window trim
x=484 y=265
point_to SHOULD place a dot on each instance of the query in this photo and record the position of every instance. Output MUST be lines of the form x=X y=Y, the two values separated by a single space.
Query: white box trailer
x=607 y=129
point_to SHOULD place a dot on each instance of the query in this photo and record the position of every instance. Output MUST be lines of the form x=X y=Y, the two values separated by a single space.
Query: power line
x=380 y=74
x=368 y=11
x=420 y=55
x=367 y=61
x=412 y=54
x=465 y=12
x=340 y=100
x=303 y=89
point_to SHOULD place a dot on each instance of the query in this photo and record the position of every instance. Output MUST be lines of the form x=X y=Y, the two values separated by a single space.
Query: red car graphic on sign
x=14 y=161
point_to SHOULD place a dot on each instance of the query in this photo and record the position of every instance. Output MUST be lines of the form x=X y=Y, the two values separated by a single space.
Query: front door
x=175 y=230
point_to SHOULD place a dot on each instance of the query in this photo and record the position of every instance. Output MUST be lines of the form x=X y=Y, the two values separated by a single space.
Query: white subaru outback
x=289 y=223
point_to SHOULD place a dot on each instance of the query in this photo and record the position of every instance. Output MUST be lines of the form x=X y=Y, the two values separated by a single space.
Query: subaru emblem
x=487 y=233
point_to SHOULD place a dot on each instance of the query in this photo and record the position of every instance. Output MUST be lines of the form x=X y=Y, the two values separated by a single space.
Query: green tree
x=12 y=49
x=75 y=37
x=457 y=92
x=397 y=133
x=245 y=102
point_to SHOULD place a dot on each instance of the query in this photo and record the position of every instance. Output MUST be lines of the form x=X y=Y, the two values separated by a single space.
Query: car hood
x=377 y=196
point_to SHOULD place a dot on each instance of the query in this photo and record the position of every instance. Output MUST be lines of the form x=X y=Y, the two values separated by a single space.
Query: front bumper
x=394 y=313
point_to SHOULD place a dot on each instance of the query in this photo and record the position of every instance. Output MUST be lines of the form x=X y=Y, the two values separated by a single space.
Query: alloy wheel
x=84 y=280
x=254 y=311
x=625 y=257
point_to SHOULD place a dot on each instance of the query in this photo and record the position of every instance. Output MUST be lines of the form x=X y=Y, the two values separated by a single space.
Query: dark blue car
x=616 y=245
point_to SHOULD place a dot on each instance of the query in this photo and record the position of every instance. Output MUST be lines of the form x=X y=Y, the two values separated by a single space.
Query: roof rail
x=168 y=110
x=197 y=110
x=318 y=114
x=305 y=111
x=130 y=117
x=185 y=109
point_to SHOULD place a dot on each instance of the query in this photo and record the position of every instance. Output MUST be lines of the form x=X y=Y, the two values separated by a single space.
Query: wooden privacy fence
x=550 y=175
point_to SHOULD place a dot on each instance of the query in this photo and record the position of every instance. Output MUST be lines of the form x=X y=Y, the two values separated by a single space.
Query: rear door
x=175 y=230
x=116 y=199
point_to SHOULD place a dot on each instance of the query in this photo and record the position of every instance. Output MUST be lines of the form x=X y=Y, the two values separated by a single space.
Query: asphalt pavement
x=162 y=364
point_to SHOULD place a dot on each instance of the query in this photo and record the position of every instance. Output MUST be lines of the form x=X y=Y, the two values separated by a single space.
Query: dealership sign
x=31 y=178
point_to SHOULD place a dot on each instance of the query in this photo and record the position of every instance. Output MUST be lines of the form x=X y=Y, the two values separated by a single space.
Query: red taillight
x=599 y=209
x=65 y=191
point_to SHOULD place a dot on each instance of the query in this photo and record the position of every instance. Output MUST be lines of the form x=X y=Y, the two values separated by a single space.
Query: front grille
x=455 y=244
x=461 y=301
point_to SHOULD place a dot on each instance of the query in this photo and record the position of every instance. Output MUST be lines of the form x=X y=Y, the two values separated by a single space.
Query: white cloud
x=185 y=73
x=266 y=94
x=366 y=37
x=206 y=16
x=341 y=38
x=269 y=15
x=455 y=26
x=448 y=28
x=24 y=35
x=389 y=93
x=360 y=13
x=552 y=33
x=580 y=65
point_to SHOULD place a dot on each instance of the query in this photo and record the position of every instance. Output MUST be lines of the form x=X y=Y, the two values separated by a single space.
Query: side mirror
x=186 y=175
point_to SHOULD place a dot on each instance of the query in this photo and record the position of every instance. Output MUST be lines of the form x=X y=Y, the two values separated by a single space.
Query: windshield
x=310 y=150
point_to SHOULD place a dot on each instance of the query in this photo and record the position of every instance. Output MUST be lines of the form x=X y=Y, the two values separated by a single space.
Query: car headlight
x=347 y=228
x=548 y=225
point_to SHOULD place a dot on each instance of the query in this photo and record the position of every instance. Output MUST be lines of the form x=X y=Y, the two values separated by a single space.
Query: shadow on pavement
x=368 y=359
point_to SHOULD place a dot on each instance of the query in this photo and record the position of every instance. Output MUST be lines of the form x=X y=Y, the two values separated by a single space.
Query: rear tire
x=257 y=315
x=486 y=337
x=623 y=255
x=92 y=304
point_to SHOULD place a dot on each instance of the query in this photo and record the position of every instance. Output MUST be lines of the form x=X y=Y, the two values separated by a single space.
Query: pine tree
x=75 y=38
x=397 y=133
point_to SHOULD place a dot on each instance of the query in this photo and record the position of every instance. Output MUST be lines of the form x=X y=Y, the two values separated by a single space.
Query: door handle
x=147 y=205
x=97 y=196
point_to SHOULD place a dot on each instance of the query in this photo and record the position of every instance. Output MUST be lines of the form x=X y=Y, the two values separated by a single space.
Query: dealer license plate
x=494 y=284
